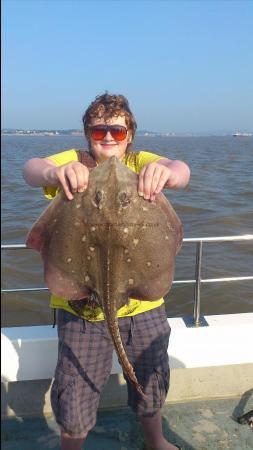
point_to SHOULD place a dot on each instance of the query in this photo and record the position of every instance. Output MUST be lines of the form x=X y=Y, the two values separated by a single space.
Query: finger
x=147 y=181
x=82 y=176
x=165 y=175
x=155 y=179
x=65 y=186
x=141 y=181
x=70 y=174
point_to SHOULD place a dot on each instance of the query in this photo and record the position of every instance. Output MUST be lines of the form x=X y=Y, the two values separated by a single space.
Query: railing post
x=196 y=312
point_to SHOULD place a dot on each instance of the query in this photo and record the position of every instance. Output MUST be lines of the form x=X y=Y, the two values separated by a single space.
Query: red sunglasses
x=118 y=132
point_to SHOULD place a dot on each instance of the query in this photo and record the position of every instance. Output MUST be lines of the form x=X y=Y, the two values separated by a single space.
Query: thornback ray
x=110 y=244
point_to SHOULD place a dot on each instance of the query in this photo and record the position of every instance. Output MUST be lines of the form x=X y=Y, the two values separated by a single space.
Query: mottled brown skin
x=111 y=242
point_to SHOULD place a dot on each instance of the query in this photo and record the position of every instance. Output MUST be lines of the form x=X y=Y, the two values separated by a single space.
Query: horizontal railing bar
x=213 y=280
x=13 y=246
x=245 y=237
x=205 y=280
x=8 y=291
x=184 y=282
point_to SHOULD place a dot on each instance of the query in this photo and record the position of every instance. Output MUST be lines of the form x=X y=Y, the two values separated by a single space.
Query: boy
x=85 y=348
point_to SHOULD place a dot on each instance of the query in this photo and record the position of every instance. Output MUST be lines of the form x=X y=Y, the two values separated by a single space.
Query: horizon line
x=143 y=131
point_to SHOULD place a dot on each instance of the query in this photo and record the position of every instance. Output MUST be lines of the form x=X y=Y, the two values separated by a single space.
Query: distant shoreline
x=144 y=133
x=40 y=133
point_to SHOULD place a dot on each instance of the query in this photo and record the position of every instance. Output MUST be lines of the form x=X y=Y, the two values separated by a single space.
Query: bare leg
x=68 y=442
x=153 y=433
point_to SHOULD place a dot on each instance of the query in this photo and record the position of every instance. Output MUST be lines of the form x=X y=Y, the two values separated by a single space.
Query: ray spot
x=125 y=230
x=77 y=224
x=78 y=205
x=135 y=241
x=69 y=260
x=128 y=260
x=89 y=257
x=93 y=228
x=126 y=250
x=86 y=278
x=144 y=208
x=84 y=238
x=166 y=237
x=148 y=263
x=130 y=281
x=92 y=249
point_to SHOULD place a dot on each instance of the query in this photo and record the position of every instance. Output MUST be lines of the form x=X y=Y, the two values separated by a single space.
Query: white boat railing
x=196 y=320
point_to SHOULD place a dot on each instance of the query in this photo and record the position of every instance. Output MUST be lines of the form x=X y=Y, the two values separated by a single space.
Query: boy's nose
x=108 y=136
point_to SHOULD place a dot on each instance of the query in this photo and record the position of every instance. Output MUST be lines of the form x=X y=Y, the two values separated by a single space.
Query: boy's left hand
x=152 y=179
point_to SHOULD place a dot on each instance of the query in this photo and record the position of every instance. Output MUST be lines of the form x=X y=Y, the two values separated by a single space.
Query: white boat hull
x=210 y=362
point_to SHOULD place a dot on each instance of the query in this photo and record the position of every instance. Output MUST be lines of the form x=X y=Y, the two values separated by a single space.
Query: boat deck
x=199 y=424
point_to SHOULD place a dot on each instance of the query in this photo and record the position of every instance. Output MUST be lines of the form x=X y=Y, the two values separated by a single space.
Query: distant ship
x=238 y=134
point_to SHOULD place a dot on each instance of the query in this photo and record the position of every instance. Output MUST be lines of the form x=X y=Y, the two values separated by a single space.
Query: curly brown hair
x=108 y=106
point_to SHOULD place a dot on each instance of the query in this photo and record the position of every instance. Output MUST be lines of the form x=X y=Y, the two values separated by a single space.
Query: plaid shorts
x=85 y=361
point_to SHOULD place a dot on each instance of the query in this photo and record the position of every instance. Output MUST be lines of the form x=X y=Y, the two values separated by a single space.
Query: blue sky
x=185 y=66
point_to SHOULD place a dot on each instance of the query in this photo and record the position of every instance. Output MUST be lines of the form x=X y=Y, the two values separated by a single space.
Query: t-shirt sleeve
x=146 y=158
x=59 y=159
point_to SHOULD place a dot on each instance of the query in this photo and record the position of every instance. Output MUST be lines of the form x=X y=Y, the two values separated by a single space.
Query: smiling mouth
x=109 y=145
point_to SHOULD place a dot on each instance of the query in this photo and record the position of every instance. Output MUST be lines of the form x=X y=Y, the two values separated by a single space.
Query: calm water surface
x=217 y=202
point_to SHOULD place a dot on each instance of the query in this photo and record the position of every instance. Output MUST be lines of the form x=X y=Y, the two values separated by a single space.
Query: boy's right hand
x=72 y=177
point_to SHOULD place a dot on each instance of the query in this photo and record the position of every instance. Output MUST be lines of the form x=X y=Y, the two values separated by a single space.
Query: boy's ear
x=129 y=139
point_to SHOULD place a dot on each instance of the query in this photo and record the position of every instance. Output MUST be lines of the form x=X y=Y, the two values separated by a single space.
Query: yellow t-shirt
x=135 y=161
